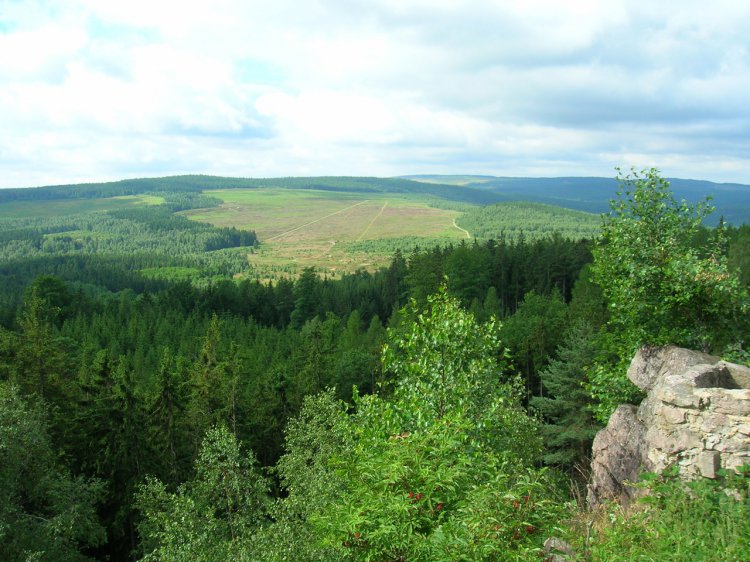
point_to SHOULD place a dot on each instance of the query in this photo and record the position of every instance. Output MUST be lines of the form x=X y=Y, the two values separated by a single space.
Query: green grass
x=142 y=199
x=706 y=520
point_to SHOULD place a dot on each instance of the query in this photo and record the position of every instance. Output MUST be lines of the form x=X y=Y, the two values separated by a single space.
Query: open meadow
x=336 y=232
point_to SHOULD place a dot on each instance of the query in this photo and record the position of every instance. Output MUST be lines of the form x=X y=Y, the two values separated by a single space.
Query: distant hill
x=592 y=194
x=197 y=183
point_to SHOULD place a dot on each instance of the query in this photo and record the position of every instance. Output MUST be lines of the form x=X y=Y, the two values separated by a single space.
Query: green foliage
x=405 y=244
x=153 y=233
x=434 y=493
x=606 y=378
x=739 y=252
x=659 y=288
x=506 y=518
x=587 y=303
x=414 y=475
x=312 y=438
x=565 y=405
x=467 y=273
x=306 y=297
x=531 y=220
x=45 y=514
x=211 y=517
x=445 y=360
x=107 y=437
x=40 y=364
x=134 y=378
x=166 y=417
x=533 y=333
x=702 y=520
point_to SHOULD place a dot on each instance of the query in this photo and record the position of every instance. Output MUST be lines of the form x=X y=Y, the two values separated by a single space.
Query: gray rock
x=696 y=415
x=617 y=457
x=739 y=373
x=650 y=363
x=708 y=463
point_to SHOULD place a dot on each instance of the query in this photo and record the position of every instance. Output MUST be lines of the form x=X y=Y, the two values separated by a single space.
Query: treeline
x=589 y=194
x=532 y=220
x=199 y=183
x=153 y=229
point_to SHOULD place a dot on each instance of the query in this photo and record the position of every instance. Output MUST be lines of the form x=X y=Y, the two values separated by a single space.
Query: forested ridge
x=199 y=183
x=441 y=408
x=588 y=194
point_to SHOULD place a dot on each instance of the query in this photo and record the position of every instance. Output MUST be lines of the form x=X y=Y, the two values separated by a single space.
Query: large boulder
x=696 y=415
x=616 y=456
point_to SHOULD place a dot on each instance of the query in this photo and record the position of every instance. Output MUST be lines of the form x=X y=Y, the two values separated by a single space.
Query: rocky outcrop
x=696 y=415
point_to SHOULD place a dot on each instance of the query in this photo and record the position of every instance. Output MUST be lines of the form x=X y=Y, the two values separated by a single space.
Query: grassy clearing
x=142 y=199
x=327 y=230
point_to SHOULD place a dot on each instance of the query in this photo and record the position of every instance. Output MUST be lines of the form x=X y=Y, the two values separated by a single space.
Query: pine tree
x=45 y=514
x=168 y=430
x=569 y=426
x=41 y=363
x=210 y=385
x=305 y=298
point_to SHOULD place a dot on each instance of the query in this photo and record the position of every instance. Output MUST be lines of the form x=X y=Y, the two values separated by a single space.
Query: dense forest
x=441 y=408
x=531 y=220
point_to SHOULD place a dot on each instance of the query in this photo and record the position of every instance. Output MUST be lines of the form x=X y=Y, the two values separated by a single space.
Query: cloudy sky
x=96 y=90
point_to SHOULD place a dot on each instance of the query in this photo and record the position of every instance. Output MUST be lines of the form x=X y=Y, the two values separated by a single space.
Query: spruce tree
x=569 y=427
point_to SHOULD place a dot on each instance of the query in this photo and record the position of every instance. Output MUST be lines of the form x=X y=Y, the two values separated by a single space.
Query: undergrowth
x=700 y=520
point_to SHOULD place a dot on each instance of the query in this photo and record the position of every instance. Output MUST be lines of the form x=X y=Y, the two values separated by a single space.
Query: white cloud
x=94 y=89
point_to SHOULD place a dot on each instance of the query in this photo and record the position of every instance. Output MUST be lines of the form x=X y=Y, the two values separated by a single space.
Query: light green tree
x=45 y=514
x=660 y=289
x=214 y=515
x=437 y=468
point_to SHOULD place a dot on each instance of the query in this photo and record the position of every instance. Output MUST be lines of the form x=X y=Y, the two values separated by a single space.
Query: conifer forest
x=162 y=398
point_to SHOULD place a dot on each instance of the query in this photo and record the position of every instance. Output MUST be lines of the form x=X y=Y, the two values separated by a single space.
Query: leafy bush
x=441 y=469
x=45 y=513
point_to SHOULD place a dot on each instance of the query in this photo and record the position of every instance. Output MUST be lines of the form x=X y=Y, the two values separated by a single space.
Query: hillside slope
x=592 y=194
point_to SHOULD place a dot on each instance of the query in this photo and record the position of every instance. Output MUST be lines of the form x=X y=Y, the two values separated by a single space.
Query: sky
x=97 y=90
